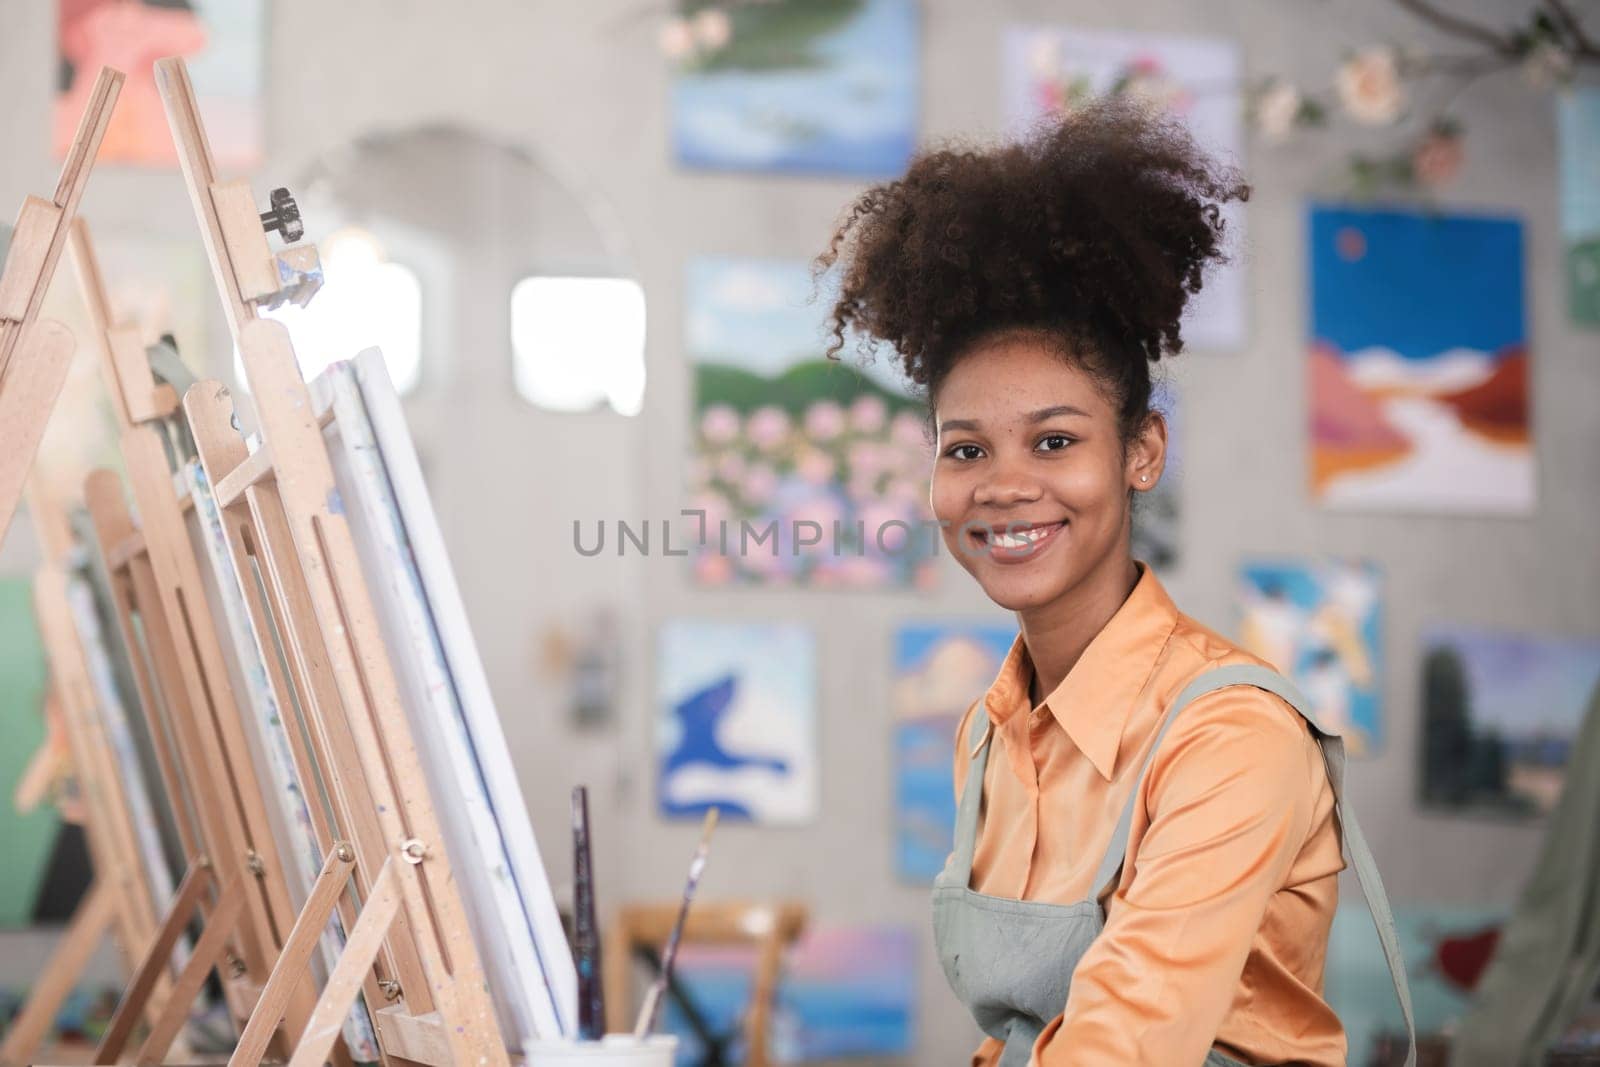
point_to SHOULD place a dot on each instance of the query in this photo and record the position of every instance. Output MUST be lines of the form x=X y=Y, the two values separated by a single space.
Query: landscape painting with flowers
x=830 y=451
x=1049 y=70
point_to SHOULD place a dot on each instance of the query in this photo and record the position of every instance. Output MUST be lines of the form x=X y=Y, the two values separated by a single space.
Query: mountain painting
x=1500 y=712
x=939 y=670
x=796 y=86
x=737 y=721
x=1579 y=128
x=1418 y=363
x=807 y=471
x=1157 y=513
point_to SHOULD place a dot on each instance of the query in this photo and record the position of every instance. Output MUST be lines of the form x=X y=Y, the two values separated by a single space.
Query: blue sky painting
x=803 y=87
x=939 y=670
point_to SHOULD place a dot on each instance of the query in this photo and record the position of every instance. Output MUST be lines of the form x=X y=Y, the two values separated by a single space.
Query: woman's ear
x=1147 y=453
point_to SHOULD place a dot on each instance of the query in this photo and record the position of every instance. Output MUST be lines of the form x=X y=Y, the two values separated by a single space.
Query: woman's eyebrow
x=1033 y=416
x=958 y=424
x=1052 y=412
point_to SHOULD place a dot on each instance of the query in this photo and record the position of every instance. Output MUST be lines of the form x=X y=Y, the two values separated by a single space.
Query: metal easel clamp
x=284 y=218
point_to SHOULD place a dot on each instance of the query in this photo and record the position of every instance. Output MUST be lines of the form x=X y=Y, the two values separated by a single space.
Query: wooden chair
x=768 y=926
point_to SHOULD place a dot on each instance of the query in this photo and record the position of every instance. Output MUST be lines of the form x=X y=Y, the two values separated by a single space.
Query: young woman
x=1149 y=836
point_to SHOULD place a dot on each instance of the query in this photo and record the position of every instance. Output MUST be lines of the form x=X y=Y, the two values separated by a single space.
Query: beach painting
x=1418 y=370
x=827 y=87
x=1500 y=712
x=219 y=40
x=737 y=721
x=1578 y=126
x=844 y=993
x=807 y=471
x=1050 y=69
x=1320 y=625
x=940 y=669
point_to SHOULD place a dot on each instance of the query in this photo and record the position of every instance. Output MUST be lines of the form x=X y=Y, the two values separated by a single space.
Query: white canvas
x=459 y=738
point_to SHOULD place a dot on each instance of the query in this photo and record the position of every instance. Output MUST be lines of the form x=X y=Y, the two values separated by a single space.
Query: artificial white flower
x=712 y=28
x=1369 y=86
x=1276 y=110
x=1547 y=65
x=677 y=39
x=1044 y=56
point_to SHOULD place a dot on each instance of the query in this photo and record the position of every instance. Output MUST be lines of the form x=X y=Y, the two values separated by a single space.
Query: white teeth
x=1021 y=539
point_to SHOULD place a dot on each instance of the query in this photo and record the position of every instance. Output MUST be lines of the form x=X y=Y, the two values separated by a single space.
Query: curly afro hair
x=1093 y=232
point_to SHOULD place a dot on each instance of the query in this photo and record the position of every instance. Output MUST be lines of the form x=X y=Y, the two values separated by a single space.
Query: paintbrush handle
x=591 y=994
x=669 y=955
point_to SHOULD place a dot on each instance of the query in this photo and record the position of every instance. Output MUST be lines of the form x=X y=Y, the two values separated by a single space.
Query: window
x=578 y=343
x=365 y=301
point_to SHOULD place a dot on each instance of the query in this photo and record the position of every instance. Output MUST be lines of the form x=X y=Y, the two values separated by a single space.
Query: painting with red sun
x=220 y=40
x=1418 y=363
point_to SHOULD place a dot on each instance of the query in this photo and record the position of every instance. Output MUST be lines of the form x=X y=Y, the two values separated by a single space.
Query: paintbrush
x=591 y=994
x=652 y=1000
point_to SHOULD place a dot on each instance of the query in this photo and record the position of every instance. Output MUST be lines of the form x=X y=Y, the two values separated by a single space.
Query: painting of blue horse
x=737 y=721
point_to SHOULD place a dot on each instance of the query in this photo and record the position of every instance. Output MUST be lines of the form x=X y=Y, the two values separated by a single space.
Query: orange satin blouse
x=1217 y=931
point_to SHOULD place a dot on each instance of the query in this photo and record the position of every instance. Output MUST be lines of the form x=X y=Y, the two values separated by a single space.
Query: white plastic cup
x=621 y=1050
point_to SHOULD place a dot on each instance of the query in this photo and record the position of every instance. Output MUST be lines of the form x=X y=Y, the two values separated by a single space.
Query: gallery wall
x=586 y=86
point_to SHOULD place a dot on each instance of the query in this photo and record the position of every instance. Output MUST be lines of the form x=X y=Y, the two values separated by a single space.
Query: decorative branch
x=1371 y=88
x=1582 y=43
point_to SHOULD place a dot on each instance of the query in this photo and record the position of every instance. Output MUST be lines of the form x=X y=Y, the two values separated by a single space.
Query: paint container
x=621 y=1050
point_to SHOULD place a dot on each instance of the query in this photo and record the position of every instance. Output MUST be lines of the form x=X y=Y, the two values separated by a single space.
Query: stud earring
x=1144 y=477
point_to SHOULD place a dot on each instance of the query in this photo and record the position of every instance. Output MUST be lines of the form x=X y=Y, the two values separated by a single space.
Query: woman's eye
x=965 y=452
x=1054 y=442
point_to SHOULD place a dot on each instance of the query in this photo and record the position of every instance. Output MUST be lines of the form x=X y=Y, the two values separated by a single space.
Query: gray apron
x=1011 y=961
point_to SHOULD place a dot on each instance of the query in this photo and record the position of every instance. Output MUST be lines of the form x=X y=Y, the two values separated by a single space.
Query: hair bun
x=1098 y=227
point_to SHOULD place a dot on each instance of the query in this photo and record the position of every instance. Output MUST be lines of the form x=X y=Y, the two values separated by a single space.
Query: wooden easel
x=283 y=518
x=119 y=900
x=34 y=355
x=158 y=594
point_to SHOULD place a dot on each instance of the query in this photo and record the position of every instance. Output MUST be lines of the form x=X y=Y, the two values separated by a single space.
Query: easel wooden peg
x=34 y=355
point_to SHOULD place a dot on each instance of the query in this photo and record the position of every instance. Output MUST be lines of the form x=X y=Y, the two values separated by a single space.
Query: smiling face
x=1031 y=475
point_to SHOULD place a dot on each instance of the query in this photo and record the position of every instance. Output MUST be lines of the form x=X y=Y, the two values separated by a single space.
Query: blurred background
x=580 y=233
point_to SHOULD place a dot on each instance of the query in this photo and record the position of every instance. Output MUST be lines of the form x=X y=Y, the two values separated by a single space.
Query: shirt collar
x=1094 y=700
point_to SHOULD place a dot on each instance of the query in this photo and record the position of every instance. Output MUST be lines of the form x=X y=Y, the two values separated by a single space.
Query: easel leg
x=90 y=920
x=156 y=959
x=32 y=384
x=207 y=953
x=290 y=966
x=360 y=949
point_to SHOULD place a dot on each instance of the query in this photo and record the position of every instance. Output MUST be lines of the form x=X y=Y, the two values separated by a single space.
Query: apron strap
x=958 y=871
x=1353 y=841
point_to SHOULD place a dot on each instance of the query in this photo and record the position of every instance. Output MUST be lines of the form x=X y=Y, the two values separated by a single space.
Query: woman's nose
x=1006 y=485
